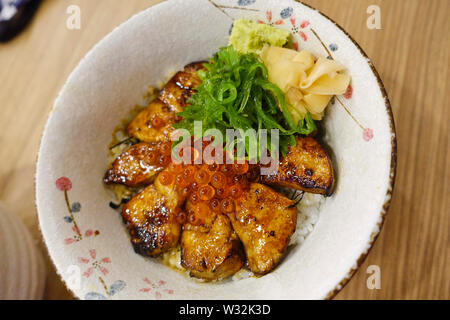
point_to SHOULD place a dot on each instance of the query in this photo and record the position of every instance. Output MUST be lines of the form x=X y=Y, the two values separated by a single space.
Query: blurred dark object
x=15 y=16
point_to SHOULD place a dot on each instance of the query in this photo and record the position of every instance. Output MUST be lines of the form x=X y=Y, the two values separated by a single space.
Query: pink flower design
x=76 y=229
x=77 y=237
x=298 y=30
x=367 y=134
x=95 y=264
x=269 y=17
x=349 y=93
x=64 y=184
x=157 y=288
x=69 y=240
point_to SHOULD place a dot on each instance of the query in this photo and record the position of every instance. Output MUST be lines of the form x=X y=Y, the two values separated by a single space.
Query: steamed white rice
x=308 y=215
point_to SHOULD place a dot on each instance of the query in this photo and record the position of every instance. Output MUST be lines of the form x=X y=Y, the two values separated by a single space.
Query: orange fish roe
x=191 y=218
x=222 y=193
x=181 y=217
x=210 y=188
x=227 y=205
x=240 y=168
x=166 y=178
x=214 y=204
x=213 y=167
x=226 y=169
x=218 y=180
x=189 y=173
x=185 y=191
x=235 y=191
x=194 y=186
x=175 y=168
x=194 y=198
x=152 y=158
x=164 y=160
x=237 y=179
x=202 y=177
x=180 y=181
x=206 y=193
x=166 y=148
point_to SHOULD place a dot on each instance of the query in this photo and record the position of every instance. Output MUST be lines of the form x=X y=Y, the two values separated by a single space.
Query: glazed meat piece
x=181 y=87
x=210 y=249
x=194 y=67
x=137 y=166
x=154 y=123
x=306 y=167
x=154 y=219
x=264 y=221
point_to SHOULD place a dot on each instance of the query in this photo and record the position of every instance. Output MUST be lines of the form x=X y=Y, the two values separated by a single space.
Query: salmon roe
x=226 y=169
x=166 y=178
x=206 y=193
x=166 y=148
x=164 y=160
x=175 y=168
x=181 y=181
x=235 y=191
x=194 y=186
x=227 y=205
x=192 y=218
x=189 y=172
x=181 y=217
x=213 y=167
x=218 y=180
x=240 y=168
x=237 y=179
x=185 y=191
x=202 y=177
x=222 y=193
x=215 y=204
x=194 y=198
x=152 y=158
x=209 y=188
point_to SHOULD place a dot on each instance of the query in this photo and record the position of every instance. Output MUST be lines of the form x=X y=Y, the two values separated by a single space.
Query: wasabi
x=250 y=37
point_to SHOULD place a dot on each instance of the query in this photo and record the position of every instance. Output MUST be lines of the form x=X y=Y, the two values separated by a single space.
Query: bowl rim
x=392 y=172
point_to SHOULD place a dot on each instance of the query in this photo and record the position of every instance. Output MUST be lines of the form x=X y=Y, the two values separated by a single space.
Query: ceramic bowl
x=87 y=240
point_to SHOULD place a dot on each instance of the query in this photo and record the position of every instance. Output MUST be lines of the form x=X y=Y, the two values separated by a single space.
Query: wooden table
x=411 y=53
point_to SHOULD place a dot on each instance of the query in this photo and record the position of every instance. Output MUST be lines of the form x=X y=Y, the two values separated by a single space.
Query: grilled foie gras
x=305 y=167
x=210 y=249
x=181 y=87
x=154 y=123
x=264 y=221
x=137 y=166
x=154 y=219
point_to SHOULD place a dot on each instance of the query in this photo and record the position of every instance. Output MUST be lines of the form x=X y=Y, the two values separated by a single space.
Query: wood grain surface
x=411 y=53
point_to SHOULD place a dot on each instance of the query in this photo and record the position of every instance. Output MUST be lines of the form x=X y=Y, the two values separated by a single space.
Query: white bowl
x=112 y=78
